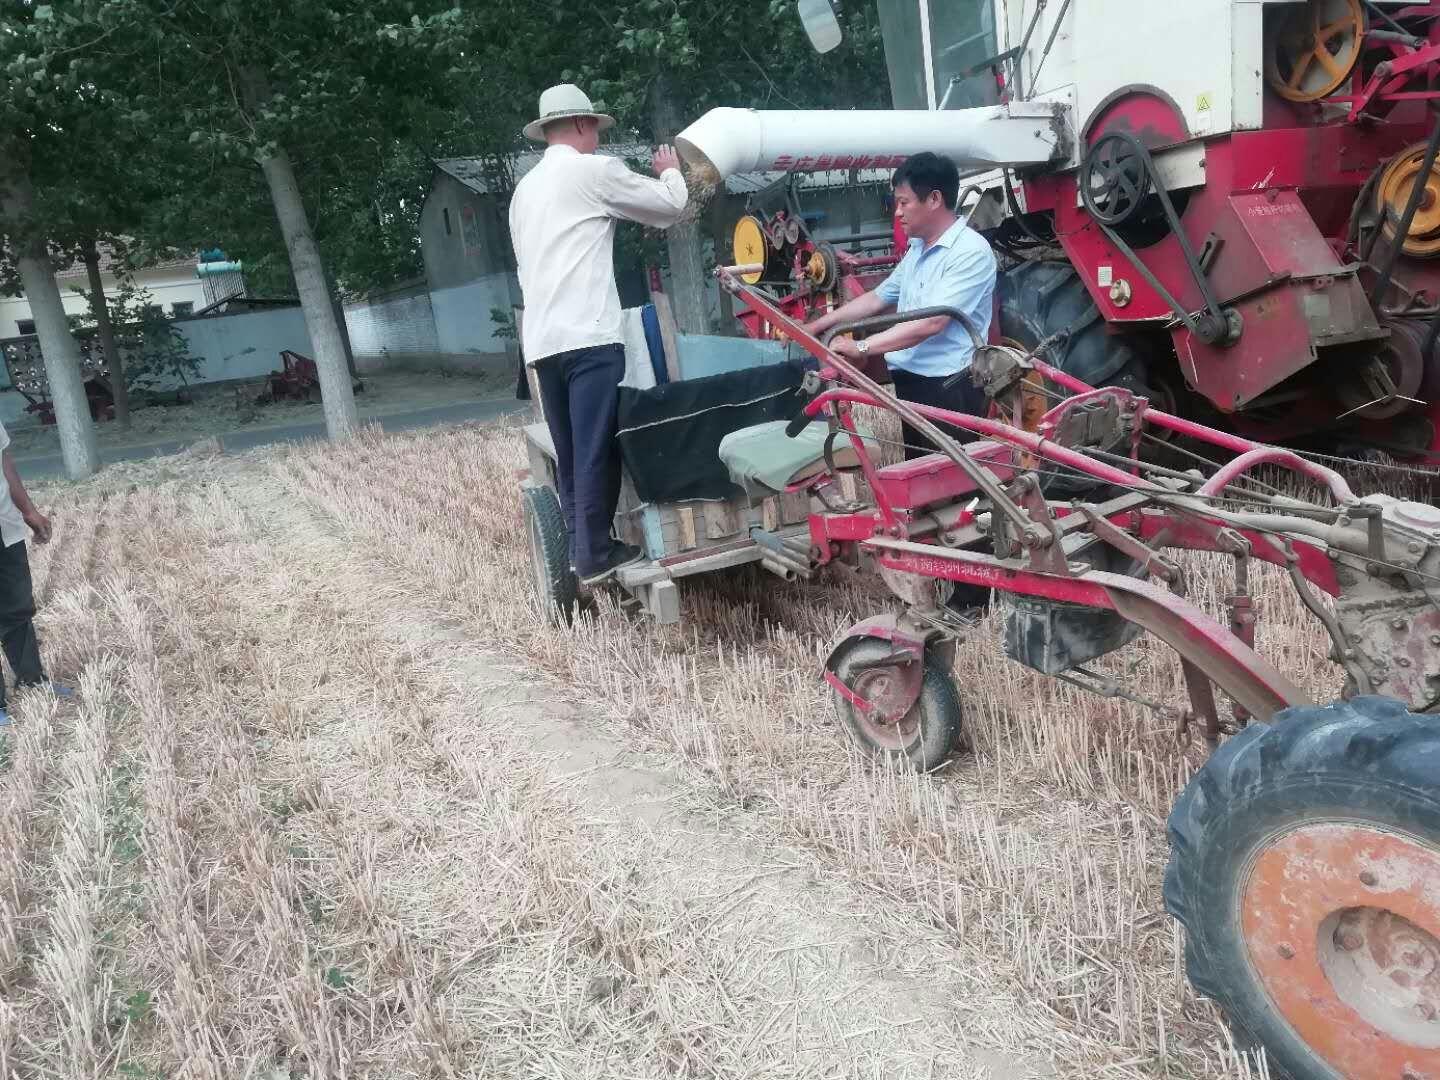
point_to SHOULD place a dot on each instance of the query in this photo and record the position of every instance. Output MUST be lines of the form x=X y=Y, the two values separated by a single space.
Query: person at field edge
x=562 y=223
x=18 y=518
x=947 y=264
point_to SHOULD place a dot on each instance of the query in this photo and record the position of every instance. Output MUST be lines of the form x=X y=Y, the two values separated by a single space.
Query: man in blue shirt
x=948 y=264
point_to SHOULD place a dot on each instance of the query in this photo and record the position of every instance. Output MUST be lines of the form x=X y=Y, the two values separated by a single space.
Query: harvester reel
x=1392 y=193
x=1114 y=180
x=1312 y=50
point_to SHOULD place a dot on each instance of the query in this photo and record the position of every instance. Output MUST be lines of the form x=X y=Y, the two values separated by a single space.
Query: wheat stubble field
x=332 y=802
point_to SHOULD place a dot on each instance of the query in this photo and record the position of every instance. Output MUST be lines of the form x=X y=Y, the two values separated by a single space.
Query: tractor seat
x=765 y=461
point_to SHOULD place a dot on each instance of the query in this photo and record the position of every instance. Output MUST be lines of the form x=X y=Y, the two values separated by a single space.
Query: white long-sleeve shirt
x=562 y=222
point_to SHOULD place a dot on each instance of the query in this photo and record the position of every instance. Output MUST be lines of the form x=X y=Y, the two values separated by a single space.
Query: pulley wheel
x=1392 y=194
x=750 y=247
x=1311 y=50
x=1114 y=179
x=823 y=268
x=1403 y=364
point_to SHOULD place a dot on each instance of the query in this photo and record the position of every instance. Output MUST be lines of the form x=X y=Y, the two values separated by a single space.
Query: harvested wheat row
x=729 y=701
x=73 y=979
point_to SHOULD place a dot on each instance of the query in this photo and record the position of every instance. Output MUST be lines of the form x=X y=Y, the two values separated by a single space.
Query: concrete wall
x=461 y=235
x=447 y=329
x=166 y=287
x=245 y=346
x=462 y=314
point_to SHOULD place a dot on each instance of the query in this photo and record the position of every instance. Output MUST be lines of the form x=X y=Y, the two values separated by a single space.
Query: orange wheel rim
x=1313 y=50
x=1393 y=193
x=1342 y=928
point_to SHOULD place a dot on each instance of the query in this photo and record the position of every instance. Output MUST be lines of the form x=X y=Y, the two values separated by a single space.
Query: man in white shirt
x=18 y=517
x=562 y=223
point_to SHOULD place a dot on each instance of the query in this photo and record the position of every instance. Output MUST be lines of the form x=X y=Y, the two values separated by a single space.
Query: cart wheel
x=926 y=736
x=1305 y=867
x=555 y=583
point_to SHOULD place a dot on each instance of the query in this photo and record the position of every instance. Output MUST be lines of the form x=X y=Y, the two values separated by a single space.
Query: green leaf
x=337 y=979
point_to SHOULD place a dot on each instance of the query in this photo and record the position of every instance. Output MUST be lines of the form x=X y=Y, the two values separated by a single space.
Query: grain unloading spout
x=728 y=141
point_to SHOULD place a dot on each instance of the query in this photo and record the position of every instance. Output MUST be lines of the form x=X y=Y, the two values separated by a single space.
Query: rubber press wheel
x=925 y=737
x=555 y=584
x=1305 y=867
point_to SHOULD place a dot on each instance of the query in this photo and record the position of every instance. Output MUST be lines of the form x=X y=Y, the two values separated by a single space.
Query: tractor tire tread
x=1376 y=753
x=544 y=505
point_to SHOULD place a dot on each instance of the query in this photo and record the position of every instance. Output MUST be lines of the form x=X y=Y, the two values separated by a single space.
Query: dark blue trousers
x=580 y=392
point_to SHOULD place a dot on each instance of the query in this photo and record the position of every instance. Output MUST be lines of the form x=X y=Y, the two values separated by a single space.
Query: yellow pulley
x=1392 y=194
x=1311 y=49
x=750 y=247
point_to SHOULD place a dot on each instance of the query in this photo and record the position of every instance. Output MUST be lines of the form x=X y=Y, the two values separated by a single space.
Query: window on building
x=182 y=308
x=154 y=311
x=25 y=326
x=446 y=212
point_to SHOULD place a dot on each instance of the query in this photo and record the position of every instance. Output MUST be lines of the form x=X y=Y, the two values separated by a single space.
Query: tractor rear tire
x=1305 y=868
x=556 y=587
x=927 y=736
x=1041 y=298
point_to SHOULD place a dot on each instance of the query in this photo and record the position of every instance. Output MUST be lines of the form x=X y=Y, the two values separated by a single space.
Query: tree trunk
x=106 y=330
x=62 y=354
x=683 y=241
x=336 y=391
x=339 y=308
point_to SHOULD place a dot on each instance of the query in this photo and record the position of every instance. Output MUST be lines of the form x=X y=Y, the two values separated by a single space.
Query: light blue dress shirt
x=957 y=270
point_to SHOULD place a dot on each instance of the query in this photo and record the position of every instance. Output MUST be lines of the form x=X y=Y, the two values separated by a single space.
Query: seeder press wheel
x=923 y=738
x=1305 y=865
x=1311 y=50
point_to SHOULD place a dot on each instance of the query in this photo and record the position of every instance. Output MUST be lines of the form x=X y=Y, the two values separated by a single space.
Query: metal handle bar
x=801 y=420
x=884 y=322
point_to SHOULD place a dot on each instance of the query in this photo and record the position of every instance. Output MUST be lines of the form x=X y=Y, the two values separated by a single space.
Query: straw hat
x=560 y=103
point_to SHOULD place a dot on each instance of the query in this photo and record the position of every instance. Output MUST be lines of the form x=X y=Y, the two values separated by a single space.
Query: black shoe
x=621 y=555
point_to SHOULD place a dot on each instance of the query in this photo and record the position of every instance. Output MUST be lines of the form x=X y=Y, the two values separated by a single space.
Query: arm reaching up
x=658 y=203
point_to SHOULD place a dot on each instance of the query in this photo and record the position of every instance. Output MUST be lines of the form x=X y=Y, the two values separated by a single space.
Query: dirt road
x=334 y=803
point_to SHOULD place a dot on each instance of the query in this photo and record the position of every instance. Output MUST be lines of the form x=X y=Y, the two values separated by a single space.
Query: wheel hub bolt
x=1367 y=877
x=1285 y=951
x=1350 y=941
x=1403 y=661
x=1397 y=624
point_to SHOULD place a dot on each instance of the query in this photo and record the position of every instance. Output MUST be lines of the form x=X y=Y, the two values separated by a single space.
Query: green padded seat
x=765 y=461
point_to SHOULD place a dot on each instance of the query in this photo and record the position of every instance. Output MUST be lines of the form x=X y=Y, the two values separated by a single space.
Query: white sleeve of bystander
x=626 y=194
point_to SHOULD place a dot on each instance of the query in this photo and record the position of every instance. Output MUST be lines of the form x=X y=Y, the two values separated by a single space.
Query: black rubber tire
x=1041 y=298
x=1367 y=760
x=941 y=731
x=555 y=583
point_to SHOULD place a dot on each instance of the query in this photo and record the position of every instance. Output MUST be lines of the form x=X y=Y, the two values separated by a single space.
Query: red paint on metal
x=1151 y=119
x=935 y=478
x=1283 y=233
x=1183 y=531
x=1235 y=668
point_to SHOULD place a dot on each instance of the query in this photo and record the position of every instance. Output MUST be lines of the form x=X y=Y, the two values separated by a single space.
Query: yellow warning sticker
x=1203 y=102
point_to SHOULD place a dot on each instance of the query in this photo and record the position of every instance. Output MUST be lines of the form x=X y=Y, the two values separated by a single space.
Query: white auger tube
x=730 y=141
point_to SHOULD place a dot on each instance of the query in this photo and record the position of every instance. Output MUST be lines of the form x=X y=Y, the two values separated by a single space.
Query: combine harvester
x=1217 y=209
